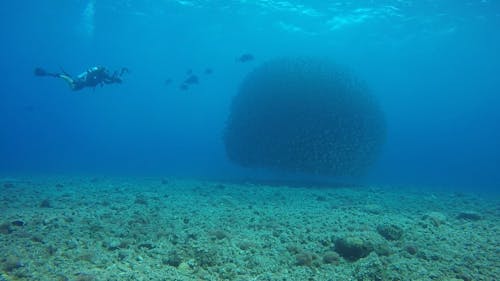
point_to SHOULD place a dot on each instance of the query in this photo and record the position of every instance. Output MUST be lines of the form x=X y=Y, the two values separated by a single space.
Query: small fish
x=246 y=58
x=18 y=223
x=208 y=71
x=184 y=87
x=191 y=80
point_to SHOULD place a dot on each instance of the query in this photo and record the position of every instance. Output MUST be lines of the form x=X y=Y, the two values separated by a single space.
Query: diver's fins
x=40 y=72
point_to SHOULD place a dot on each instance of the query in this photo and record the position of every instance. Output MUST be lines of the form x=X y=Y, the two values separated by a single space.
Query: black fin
x=40 y=72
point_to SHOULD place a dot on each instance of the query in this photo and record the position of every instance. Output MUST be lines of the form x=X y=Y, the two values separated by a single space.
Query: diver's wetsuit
x=97 y=75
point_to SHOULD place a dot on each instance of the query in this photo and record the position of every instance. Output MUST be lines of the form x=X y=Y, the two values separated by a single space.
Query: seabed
x=185 y=229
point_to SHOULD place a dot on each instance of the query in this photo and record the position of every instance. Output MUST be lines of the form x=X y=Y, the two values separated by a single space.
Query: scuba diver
x=97 y=75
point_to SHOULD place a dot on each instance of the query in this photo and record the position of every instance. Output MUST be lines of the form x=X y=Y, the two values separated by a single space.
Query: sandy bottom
x=175 y=229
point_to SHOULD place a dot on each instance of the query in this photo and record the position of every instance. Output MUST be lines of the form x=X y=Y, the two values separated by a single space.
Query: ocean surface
x=136 y=180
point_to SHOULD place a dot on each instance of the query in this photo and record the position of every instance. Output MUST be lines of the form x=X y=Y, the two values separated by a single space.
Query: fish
x=246 y=58
x=184 y=87
x=191 y=80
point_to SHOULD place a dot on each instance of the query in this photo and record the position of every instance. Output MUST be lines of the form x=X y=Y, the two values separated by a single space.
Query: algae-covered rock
x=331 y=257
x=45 y=203
x=11 y=263
x=6 y=228
x=8 y=185
x=353 y=248
x=390 y=231
x=411 y=249
x=306 y=259
x=435 y=218
x=371 y=269
x=85 y=277
x=173 y=259
x=206 y=257
x=112 y=244
x=469 y=215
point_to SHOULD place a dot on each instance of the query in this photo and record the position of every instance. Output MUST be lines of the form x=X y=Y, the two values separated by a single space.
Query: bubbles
x=88 y=24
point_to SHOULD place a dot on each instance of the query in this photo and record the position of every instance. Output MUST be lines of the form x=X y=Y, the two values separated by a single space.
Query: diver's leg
x=69 y=80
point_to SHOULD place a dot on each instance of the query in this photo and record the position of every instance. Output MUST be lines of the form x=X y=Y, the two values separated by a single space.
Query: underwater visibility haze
x=201 y=116
x=432 y=65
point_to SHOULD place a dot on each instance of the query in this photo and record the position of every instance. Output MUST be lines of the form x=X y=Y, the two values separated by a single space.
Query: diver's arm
x=124 y=70
x=112 y=80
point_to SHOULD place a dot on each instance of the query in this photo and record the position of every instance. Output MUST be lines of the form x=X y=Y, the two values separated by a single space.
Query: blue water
x=434 y=66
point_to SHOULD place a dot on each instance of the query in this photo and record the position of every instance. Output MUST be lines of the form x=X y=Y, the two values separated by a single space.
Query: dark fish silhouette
x=208 y=71
x=191 y=80
x=246 y=58
x=184 y=87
